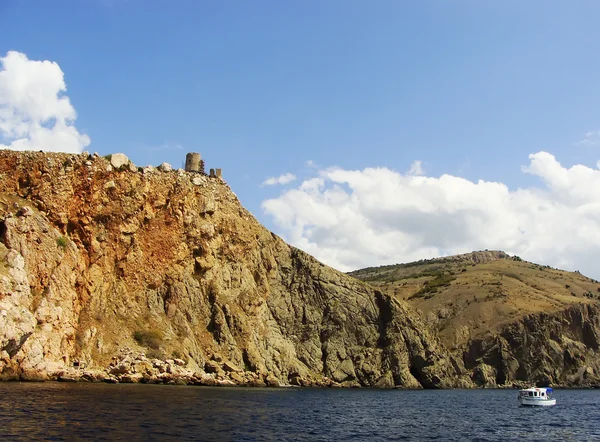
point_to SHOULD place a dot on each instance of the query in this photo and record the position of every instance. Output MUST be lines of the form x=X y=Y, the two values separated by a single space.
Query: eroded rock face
x=557 y=349
x=33 y=309
x=171 y=265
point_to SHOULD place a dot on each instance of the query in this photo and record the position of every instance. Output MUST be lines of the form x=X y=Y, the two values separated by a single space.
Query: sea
x=132 y=412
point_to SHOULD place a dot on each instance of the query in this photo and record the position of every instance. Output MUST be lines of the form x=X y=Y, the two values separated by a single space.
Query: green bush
x=148 y=338
x=432 y=287
x=61 y=242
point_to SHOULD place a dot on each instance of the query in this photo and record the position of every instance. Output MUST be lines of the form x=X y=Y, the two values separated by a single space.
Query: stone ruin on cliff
x=195 y=163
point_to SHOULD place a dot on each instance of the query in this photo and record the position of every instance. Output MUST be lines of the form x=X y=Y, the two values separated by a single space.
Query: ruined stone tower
x=194 y=163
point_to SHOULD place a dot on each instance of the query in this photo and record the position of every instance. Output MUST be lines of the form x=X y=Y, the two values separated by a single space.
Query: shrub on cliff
x=148 y=338
x=431 y=287
x=61 y=242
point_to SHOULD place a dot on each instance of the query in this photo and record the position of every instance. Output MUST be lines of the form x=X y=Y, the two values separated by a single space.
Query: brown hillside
x=467 y=296
x=512 y=322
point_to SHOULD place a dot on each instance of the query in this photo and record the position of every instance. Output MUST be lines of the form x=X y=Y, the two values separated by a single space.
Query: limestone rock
x=25 y=211
x=272 y=381
x=117 y=160
x=229 y=367
x=212 y=367
x=226 y=383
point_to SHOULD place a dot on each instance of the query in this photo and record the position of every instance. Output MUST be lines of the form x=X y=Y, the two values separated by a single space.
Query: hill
x=124 y=274
x=469 y=295
x=488 y=299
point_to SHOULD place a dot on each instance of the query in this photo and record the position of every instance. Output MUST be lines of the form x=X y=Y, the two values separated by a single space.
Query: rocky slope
x=510 y=321
x=558 y=349
x=117 y=273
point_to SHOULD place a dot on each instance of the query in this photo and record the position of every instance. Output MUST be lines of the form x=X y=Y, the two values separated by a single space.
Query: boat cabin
x=536 y=393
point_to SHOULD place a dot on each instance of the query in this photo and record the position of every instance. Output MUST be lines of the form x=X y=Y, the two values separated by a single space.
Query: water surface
x=58 y=411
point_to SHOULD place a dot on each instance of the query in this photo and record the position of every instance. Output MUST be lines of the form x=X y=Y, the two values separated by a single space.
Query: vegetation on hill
x=467 y=296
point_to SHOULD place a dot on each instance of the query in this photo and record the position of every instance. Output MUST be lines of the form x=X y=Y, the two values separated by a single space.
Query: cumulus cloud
x=351 y=219
x=281 y=179
x=34 y=112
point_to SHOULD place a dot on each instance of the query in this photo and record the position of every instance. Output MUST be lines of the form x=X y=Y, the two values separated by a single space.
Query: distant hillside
x=468 y=295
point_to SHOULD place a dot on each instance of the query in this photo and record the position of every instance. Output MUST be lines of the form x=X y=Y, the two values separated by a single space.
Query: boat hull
x=531 y=402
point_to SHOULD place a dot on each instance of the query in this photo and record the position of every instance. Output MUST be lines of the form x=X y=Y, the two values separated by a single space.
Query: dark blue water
x=55 y=411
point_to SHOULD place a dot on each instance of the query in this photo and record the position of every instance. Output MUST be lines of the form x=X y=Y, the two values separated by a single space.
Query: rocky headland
x=114 y=273
x=98 y=255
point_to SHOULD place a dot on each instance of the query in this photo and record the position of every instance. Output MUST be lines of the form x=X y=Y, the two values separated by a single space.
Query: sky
x=365 y=133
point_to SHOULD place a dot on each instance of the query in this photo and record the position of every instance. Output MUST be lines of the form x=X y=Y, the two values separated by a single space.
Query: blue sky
x=470 y=88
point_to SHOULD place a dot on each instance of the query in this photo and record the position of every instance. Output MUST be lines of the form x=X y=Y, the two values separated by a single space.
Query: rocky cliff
x=511 y=322
x=113 y=272
x=544 y=349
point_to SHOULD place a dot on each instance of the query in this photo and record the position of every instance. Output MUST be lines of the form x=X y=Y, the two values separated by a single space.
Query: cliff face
x=546 y=349
x=511 y=322
x=96 y=258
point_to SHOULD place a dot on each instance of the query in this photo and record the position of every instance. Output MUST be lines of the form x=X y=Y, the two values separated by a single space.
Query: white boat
x=536 y=397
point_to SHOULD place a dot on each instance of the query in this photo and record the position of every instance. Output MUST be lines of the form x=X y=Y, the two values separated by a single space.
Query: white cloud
x=416 y=168
x=591 y=139
x=281 y=179
x=34 y=113
x=353 y=219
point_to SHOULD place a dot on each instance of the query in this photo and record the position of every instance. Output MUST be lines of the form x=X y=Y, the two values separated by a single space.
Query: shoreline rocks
x=130 y=367
x=135 y=367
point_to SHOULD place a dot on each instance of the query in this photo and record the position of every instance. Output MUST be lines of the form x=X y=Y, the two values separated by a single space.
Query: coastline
x=136 y=368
